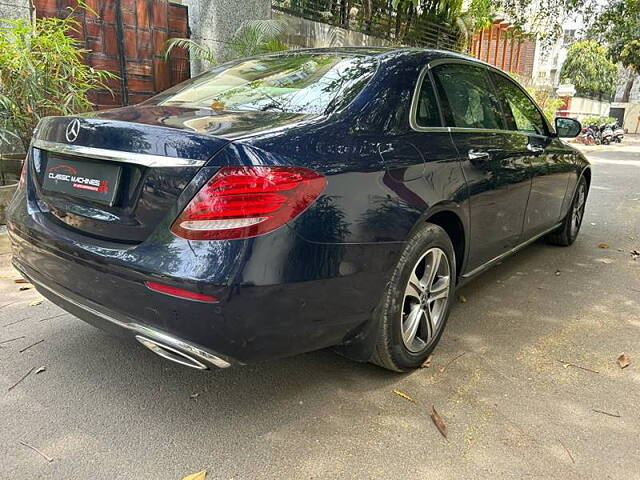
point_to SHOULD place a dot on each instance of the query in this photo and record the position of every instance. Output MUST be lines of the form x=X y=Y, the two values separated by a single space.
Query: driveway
x=525 y=379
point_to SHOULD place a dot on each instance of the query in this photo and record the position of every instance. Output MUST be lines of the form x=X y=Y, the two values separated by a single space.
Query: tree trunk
x=629 y=85
x=408 y=24
x=398 y=21
x=32 y=14
x=367 y=6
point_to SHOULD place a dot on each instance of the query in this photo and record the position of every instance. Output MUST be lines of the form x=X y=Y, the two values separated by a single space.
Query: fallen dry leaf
x=196 y=476
x=427 y=362
x=35 y=303
x=26 y=287
x=404 y=395
x=41 y=369
x=603 y=245
x=437 y=421
x=623 y=360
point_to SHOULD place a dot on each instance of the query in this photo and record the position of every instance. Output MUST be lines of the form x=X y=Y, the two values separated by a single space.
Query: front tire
x=567 y=233
x=415 y=306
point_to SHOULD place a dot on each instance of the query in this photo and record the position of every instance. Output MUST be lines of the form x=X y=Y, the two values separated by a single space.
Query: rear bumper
x=279 y=295
x=95 y=315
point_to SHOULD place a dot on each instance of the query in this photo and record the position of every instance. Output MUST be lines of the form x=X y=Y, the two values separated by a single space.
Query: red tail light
x=241 y=202
x=23 y=174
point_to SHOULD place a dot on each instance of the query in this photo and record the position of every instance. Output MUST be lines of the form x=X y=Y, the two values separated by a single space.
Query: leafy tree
x=546 y=101
x=544 y=97
x=589 y=69
x=447 y=10
x=618 y=25
x=42 y=73
x=542 y=18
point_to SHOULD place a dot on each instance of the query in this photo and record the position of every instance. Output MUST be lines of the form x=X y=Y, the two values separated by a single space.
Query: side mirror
x=567 y=127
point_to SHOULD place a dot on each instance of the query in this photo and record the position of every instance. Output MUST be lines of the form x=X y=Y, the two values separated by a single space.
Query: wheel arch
x=586 y=173
x=448 y=218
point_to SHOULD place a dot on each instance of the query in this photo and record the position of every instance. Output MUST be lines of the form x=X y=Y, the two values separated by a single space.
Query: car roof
x=426 y=54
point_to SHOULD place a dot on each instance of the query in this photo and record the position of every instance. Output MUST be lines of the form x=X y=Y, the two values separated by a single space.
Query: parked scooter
x=588 y=135
x=606 y=134
x=593 y=131
x=618 y=132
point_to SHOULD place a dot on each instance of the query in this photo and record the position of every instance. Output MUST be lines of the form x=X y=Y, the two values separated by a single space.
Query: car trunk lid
x=111 y=179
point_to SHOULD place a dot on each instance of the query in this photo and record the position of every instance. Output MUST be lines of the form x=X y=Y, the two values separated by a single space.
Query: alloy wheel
x=578 y=209
x=425 y=299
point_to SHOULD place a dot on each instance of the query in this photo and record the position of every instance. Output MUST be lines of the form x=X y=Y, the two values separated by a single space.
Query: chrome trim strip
x=153 y=334
x=486 y=66
x=413 y=111
x=486 y=265
x=143 y=159
x=495 y=130
x=467 y=60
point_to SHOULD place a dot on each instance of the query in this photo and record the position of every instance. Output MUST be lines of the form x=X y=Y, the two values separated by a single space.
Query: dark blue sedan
x=291 y=202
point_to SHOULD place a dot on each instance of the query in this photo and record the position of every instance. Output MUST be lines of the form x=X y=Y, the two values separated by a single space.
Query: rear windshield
x=303 y=83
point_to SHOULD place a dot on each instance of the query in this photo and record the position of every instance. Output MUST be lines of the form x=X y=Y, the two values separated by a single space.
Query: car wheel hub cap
x=425 y=299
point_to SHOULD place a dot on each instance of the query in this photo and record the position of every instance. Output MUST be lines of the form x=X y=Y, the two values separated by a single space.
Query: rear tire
x=567 y=233
x=414 y=309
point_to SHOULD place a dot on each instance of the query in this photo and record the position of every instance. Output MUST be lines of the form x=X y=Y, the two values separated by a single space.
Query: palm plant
x=42 y=73
x=251 y=38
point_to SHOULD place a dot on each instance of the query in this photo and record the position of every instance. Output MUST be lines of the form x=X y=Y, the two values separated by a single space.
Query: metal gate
x=378 y=18
x=618 y=114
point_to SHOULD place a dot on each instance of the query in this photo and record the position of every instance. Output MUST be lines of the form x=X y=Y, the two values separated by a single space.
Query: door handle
x=535 y=148
x=478 y=155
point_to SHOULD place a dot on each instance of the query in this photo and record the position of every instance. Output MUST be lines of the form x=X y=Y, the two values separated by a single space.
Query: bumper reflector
x=180 y=292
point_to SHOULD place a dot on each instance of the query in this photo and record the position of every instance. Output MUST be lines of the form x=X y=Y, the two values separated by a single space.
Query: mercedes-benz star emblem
x=73 y=129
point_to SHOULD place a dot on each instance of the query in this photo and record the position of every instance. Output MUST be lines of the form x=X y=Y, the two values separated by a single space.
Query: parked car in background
x=286 y=203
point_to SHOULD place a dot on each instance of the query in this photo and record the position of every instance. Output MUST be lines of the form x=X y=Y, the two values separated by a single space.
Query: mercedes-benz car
x=296 y=201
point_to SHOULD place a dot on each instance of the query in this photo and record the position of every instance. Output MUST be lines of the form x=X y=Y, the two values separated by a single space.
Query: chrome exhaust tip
x=170 y=353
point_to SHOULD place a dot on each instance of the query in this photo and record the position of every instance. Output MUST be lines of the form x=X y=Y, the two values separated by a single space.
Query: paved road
x=105 y=410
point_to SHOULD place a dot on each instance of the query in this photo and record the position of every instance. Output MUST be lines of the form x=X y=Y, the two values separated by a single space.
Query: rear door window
x=520 y=112
x=467 y=97
x=427 y=114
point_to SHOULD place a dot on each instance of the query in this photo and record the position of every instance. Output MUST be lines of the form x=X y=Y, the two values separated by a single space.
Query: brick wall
x=131 y=48
x=501 y=47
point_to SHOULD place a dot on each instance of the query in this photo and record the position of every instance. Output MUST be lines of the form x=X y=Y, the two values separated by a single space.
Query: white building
x=549 y=59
